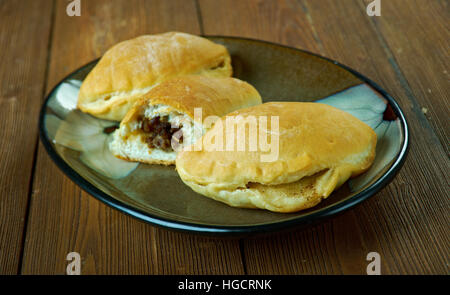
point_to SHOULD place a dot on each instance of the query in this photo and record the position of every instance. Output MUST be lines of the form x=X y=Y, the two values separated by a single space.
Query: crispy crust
x=158 y=162
x=313 y=138
x=131 y=68
x=216 y=97
x=284 y=198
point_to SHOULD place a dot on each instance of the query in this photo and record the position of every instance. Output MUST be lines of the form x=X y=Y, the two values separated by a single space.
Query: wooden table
x=44 y=215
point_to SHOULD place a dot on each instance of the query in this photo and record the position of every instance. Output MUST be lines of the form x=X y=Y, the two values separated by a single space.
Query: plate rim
x=183 y=226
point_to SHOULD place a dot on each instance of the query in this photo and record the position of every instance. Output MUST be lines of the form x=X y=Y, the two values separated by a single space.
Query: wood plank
x=274 y=21
x=63 y=218
x=418 y=36
x=23 y=52
x=406 y=222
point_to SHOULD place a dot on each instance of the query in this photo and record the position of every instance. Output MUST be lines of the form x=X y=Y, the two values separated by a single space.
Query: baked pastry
x=164 y=117
x=313 y=151
x=131 y=68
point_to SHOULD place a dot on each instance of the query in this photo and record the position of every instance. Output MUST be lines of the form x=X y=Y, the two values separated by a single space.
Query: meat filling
x=159 y=132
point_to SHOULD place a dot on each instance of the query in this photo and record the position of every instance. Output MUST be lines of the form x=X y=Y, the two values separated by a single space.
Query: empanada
x=314 y=149
x=131 y=68
x=166 y=113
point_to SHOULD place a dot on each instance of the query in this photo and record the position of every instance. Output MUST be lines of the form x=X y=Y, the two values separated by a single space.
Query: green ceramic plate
x=78 y=143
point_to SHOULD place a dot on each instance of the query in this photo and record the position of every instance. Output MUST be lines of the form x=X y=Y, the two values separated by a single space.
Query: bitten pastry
x=131 y=68
x=165 y=116
x=319 y=147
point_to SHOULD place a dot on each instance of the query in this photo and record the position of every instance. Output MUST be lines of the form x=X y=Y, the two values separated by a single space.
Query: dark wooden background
x=44 y=215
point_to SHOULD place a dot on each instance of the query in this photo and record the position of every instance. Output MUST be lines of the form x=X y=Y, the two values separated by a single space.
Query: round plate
x=78 y=143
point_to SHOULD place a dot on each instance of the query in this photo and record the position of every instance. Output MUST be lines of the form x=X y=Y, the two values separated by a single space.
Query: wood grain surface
x=414 y=33
x=44 y=215
x=63 y=218
x=341 y=245
x=23 y=56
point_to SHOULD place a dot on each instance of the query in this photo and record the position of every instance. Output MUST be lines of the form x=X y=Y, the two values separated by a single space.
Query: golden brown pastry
x=131 y=68
x=164 y=117
x=314 y=150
